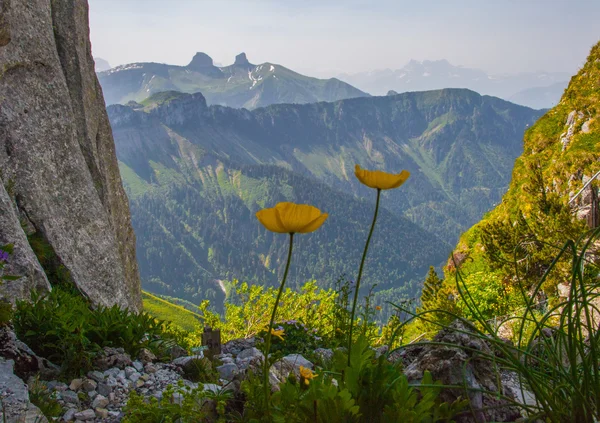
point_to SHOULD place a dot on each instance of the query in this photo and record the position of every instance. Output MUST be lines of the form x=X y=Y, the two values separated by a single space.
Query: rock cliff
x=57 y=155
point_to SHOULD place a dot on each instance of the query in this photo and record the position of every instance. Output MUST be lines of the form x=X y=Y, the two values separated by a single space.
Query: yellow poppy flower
x=291 y=218
x=278 y=333
x=378 y=308
x=380 y=180
x=307 y=375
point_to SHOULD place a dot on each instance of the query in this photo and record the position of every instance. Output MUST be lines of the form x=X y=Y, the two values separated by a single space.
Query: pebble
x=88 y=414
x=69 y=397
x=75 y=384
x=96 y=375
x=138 y=366
x=89 y=385
x=101 y=413
x=100 y=402
x=70 y=414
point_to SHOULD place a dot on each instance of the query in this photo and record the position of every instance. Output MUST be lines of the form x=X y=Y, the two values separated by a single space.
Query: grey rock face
x=15 y=398
x=461 y=365
x=23 y=260
x=56 y=147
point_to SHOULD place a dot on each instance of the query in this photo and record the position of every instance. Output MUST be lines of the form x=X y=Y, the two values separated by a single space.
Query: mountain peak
x=241 y=59
x=201 y=60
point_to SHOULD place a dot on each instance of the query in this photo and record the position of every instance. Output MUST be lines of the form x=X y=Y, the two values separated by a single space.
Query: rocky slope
x=540 y=210
x=57 y=156
x=241 y=84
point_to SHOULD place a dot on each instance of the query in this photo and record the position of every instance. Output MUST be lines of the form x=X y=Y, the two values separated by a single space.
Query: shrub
x=556 y=355
x=63 y=328
x=367 y=390
x=178 y=404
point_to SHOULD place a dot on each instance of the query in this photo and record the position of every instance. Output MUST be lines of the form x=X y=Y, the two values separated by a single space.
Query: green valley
x=196 y=174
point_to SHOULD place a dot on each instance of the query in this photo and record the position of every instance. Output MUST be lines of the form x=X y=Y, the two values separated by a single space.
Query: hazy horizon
x=349 y=37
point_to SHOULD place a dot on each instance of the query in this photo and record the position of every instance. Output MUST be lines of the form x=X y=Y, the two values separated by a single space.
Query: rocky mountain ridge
x=241 y=84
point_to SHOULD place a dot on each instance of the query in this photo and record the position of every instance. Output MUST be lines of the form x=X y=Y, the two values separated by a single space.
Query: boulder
x=461 y=364
x=26 y=362
x=16 y=407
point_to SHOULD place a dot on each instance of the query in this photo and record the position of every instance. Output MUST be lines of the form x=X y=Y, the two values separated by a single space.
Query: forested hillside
x=197 y=174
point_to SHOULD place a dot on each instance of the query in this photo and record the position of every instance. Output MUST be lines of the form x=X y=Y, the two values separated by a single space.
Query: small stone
x=92 y=394
x=137 y=365
x=111 y=397
x=69 y=397
x=298 y=360
x=96 y=375
x=101 y=413
x=88 y=414
x=129 y=371
x=69 y=415
x=104 y=389
x=100 y=402
x=145 y=377
x=150 y=368
x=75 y=384
x=139 y=383
x=134 y=377
x=111 y=382
x=183 y=361
x=227 y=371
x=111 y=372
x=89 y=385
x=146 y=356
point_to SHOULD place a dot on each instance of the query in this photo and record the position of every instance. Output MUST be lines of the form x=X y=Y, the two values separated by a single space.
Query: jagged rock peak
x=201 y=60
x=241 y=59
x=392 y=92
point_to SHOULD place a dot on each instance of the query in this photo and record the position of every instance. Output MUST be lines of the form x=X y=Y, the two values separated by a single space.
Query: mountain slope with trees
x=197 y=174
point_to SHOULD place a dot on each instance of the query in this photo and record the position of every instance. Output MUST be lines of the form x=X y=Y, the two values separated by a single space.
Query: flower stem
x=360 y=270
x=269 y=335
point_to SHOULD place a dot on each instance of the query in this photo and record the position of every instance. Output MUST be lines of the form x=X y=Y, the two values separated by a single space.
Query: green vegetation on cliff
x=515 y=244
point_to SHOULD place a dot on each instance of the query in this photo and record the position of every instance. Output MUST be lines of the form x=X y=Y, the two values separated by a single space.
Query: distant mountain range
x=537 y=89
x=196 y=174
x=242 y=84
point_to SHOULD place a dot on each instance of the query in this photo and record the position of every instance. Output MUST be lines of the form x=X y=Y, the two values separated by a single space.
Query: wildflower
x=378 y=308
x=380 y=180
x=3 y=256
x=287 y=218
x=278 y=333
x=306 y=375
x=291 y=218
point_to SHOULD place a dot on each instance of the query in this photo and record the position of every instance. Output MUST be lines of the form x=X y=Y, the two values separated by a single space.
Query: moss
x=57 y=273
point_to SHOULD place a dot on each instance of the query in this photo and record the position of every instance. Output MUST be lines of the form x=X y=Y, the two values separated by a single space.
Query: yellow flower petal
x=291 y=218
x=278 y=333
x=315 y=224
x=270 y=220
x=380 y=180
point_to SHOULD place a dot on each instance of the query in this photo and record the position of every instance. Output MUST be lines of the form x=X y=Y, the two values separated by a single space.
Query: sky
x=328 y=37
